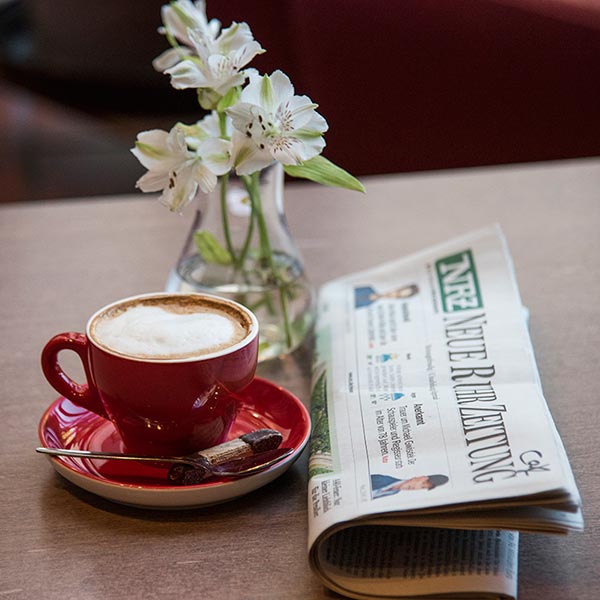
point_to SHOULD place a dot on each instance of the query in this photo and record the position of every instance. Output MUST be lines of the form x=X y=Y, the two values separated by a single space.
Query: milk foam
x=154 y=332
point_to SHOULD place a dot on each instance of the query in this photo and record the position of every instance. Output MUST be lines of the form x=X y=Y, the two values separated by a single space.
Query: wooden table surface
x=61 y=261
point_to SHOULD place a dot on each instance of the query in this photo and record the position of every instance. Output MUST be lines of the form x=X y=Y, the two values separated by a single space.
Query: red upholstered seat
x=405 y=84
x=429 y=84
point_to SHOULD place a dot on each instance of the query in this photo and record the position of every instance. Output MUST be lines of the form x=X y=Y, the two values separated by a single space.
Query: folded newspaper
x=432 y=443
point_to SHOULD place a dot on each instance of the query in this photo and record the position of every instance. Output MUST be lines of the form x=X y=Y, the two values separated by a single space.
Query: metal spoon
x=237 y=467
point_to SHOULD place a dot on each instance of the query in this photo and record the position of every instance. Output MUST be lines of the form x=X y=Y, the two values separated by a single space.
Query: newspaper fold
x=428 y=413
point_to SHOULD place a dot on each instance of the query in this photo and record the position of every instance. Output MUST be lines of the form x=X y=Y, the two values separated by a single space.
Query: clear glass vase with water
x=240 y=247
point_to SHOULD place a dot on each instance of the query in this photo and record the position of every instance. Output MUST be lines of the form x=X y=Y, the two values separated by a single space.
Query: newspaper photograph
x=432 y=442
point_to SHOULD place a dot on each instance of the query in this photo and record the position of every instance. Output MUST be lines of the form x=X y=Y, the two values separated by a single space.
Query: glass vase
x=240 y=247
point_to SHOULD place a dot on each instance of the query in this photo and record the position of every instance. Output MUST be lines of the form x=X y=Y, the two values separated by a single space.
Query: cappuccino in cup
x=169 y=327
x=163 y=368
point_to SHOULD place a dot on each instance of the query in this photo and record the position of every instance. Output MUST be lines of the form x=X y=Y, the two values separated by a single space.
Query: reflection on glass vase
x=240 y=247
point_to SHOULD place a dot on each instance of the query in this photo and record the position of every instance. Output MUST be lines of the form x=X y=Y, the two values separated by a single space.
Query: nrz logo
x=459 y=286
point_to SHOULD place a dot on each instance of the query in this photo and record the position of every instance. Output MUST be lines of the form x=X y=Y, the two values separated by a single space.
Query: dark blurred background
x=407 y=85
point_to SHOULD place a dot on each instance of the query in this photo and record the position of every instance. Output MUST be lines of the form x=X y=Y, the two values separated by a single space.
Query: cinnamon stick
x=248 y=444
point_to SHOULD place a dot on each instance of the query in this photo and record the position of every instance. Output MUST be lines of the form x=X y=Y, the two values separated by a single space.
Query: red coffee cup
x=161 y=404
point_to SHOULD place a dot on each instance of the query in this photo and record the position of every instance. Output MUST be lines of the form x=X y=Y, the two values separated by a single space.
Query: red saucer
x=261 y=405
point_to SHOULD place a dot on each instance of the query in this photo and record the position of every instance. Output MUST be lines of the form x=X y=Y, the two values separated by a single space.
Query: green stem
x=265 y=244
x=223 y=125
x=266 y=251
x=227 y=233
x=284 y=312
x=223 y=196
x=246 y=245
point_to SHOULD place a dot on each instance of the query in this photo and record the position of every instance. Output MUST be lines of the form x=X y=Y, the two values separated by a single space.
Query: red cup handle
x=84 y=394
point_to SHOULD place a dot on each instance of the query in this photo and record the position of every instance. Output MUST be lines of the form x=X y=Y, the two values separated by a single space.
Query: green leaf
x=323 y=171
x=209 y=248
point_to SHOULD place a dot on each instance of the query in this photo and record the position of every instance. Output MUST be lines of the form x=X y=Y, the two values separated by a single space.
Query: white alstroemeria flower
x=179 y=18
x=182 y=16
x=177 y=170
x=215 y=64
x=247 y=156
x=208 y=127
x=281 y=126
